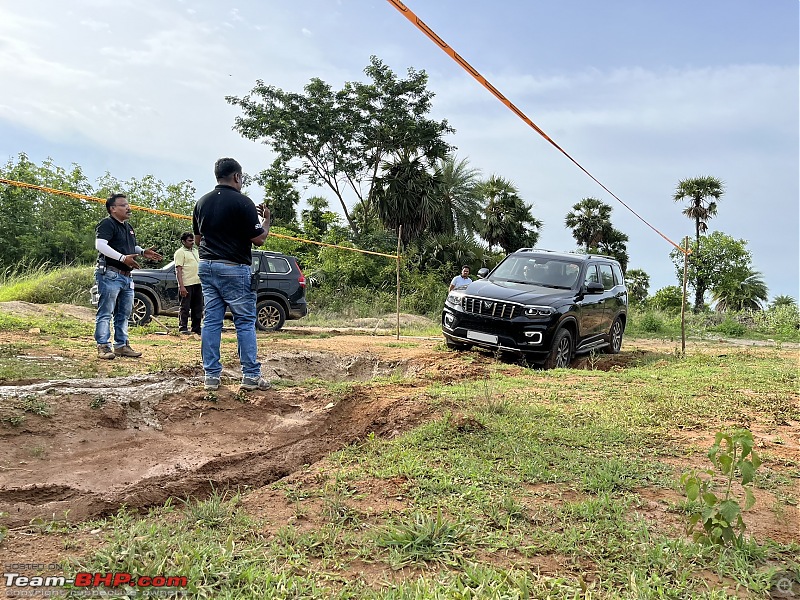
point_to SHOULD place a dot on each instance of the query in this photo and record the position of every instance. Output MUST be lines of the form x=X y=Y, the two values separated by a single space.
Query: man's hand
x=130 y=261
x=152 y=254
x=263 y=211
x=183 y=291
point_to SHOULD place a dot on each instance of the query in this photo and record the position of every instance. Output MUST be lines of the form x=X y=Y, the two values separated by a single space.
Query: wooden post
x=399 y=237
x=683 y=297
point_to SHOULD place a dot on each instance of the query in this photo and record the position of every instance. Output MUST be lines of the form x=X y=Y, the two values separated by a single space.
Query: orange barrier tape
x=420 y=24
x=165 y=213
x=42 y=188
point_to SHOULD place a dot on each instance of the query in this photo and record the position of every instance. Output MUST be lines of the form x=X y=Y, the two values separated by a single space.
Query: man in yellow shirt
x=187 y=262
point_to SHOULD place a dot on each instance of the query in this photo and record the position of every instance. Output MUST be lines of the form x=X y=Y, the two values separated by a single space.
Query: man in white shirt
x=462 y=280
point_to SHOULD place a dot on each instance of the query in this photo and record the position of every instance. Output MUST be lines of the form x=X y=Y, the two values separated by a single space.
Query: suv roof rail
x=534 y=250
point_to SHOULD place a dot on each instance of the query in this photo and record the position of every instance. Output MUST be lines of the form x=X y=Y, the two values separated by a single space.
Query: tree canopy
x=340 y=139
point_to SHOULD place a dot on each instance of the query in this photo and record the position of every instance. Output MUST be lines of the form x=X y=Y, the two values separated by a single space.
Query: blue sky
x=641 y=93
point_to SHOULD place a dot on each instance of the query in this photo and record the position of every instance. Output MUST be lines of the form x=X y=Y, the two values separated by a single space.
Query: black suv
x=281 y=291
x=547 y=306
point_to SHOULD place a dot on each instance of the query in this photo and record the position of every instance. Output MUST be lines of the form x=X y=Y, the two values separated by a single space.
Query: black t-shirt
x=227 y=220
x=120 y=237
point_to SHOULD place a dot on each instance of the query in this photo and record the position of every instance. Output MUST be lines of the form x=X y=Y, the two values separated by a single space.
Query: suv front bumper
x=519 y=335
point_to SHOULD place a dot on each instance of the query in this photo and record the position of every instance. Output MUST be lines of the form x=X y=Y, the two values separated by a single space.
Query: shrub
x=731 y=327
x=650 y=323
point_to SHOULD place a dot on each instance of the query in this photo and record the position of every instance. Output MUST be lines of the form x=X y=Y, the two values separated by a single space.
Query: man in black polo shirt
x=116 y=243
x=226 y=225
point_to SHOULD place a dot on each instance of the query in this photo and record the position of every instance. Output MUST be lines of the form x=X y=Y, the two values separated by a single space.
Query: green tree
x=39 y=227
x=508 y=222
x=340 y=139
x=447 y=250
x=279 y=194
x=407 y=194
x=667 y=299
x=783 y=300
x=638 y=282
x=719 y=262
x=589 y=219
x=703 y=193
x=316 y=219
x=613 y=244
x=749 y=293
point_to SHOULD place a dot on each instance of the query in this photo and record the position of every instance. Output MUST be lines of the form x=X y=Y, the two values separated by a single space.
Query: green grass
x=548 y=470
x=69 y=285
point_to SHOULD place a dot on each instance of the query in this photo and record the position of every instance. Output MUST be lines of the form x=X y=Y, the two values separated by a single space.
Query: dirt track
x=142 y=438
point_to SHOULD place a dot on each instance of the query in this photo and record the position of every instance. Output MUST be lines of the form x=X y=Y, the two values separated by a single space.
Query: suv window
x=618 y=278
x=274 y=264
x=591 y=274
x=606 y=275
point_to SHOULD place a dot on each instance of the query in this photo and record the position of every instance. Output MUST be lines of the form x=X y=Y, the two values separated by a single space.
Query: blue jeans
x=116 y=298
x=228 y=286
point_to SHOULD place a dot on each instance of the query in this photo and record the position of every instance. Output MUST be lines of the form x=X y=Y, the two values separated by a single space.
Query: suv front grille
x=490 y=308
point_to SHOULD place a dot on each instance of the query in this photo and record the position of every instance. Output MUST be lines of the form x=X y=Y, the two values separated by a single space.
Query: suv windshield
x=537 y=270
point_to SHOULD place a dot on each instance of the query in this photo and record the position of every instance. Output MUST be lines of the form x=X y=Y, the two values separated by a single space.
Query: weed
x=721 y=519
x=38 y=451
x=37 y=406
x=14 y=420
x=97 y=402
x=424 y=537
x=214 y=512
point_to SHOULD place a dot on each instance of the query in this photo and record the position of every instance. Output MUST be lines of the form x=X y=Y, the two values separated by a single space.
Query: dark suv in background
x=547 y=306
x=281 y=292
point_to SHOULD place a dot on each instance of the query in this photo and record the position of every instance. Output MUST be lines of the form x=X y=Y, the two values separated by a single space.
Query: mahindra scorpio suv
x=547 y=306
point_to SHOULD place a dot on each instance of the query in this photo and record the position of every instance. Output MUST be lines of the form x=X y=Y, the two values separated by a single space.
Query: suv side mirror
x=594 y=287
x=483 y=272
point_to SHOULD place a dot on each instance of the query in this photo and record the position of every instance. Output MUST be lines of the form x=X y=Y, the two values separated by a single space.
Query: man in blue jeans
x=115 y=242
x=226 y=225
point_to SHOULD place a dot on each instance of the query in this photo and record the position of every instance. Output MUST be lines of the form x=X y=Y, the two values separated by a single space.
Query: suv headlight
x=454 y=299
x=538 y=311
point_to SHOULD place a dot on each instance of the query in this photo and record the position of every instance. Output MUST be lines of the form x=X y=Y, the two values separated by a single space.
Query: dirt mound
x=85 y=447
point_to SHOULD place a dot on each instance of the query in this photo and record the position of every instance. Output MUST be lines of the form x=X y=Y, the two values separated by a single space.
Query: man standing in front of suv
x=226 y=224
x=116 y=243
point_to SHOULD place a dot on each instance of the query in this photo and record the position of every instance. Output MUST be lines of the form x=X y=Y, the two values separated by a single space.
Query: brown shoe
x=104 y=352
x=126 y=350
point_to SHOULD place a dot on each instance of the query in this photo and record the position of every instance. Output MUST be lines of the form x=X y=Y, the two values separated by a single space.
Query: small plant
x=721 y=518
x=14 y=420
x=592 y=359
x=425 y=537
x=33 y=404
x=97 y=402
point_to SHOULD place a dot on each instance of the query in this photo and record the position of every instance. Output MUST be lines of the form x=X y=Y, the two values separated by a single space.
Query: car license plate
x=481 y=337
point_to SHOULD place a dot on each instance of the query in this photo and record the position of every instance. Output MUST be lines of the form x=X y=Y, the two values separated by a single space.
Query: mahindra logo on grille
x=487 y=305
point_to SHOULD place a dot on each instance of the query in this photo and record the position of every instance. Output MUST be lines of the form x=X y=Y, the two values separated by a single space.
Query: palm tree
x=749 y=293
x=638 y=282
x=588 y=219
x=703 y=194
x=461 y=204
x=407 y=194
x=612 y=243
x=782 y=300
x=508 y=221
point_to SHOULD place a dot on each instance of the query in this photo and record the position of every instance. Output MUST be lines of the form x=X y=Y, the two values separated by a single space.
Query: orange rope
x=165 y=213
x=409 y=14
